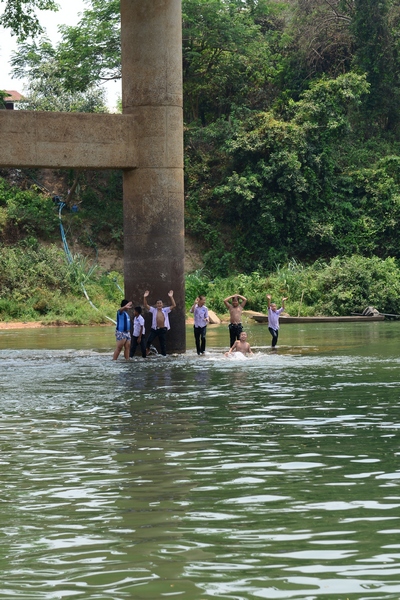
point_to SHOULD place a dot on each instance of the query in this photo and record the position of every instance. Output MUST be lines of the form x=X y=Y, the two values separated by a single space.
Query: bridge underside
x=146 y=142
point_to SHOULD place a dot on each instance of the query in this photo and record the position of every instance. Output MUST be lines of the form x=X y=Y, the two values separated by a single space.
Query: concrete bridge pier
x=151 y=39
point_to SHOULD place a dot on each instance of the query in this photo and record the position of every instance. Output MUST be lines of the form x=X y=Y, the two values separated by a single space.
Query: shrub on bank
x=37 y=283
x=337 y=287
x=26 y=212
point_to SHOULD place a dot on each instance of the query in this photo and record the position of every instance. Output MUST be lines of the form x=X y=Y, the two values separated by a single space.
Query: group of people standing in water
x=130 y=333
x=238 y=338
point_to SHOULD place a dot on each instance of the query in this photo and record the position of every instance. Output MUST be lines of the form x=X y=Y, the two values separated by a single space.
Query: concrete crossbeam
x=146 y=142
x=67 y=140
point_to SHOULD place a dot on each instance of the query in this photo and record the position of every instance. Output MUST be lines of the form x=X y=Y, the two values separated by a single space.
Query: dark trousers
x=274 y=333
x=135 y=344
x=161 y=333
x=200 y=339
x=235 y=329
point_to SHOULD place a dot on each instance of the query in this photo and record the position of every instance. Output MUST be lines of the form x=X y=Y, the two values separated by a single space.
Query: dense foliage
x=21 y=18
x=336 y=287
x=292 y=157
x=31 y=211
x=292 y=114
x=36 y=280
x=304 y=165
x=25 y=213
x=37 y=283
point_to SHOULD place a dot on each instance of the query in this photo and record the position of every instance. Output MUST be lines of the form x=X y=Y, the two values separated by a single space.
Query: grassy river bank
x=38 y=285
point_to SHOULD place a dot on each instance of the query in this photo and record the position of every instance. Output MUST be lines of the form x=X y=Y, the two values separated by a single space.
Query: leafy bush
x=28 y=211
x=338 y=287
x=37 y=283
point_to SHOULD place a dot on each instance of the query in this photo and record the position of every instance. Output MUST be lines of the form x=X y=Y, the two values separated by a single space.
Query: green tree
x=20 y=16
x=375 y=36
x=3 y=96
x=321 y=40
x=46 y=88
x=230 y=56
x=90 y=52
x=261 y=189
x=230 y=53
x=87 y=54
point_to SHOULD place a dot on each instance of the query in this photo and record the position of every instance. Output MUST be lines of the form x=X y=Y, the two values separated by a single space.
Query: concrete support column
x=151 y=37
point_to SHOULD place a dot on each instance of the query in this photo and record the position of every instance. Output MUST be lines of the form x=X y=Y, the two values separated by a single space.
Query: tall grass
x=337 y=287
x=36 y=283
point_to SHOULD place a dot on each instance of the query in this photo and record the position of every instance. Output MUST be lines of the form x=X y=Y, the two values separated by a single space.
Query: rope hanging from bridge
x=67 y=251
x=70 y=259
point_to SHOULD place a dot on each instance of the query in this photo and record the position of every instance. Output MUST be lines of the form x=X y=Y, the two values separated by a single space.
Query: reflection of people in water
x=241 y=346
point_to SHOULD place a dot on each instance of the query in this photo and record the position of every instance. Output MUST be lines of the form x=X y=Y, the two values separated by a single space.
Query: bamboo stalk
x=301 y=302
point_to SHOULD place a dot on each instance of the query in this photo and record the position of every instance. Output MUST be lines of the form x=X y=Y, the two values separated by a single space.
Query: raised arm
x=127 y=306
x=283 y=302
x=171 y=295
x=269 y=300
x=145 y=295
x=195 y=303
x=226 y=301
x=243 y=299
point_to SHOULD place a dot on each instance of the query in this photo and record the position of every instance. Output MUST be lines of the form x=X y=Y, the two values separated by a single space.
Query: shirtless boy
x=273 y=318
x=240 y=345
x=235 y=312
x=160 y=321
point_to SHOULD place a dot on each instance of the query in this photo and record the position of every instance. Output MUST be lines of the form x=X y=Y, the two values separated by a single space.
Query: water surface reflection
x=275 y=477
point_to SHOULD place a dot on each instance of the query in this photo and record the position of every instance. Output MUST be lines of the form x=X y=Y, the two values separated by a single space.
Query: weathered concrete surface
x=146 y=141
x=151 y=38
x=70 y=140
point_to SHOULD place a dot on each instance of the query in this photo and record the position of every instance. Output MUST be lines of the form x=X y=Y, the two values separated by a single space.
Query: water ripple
x=275 y=477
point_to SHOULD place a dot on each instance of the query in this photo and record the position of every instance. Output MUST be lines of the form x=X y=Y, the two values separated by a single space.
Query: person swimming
x=241 y=346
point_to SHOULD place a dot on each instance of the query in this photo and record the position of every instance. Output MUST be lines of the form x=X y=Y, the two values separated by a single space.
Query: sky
x=69 y=14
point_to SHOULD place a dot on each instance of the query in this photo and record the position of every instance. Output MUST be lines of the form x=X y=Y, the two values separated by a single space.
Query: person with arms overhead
x=160 y=321
x=235 y=316
x=273 y=318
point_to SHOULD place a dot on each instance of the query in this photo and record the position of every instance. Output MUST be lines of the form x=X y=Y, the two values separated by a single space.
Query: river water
x=275 y=477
